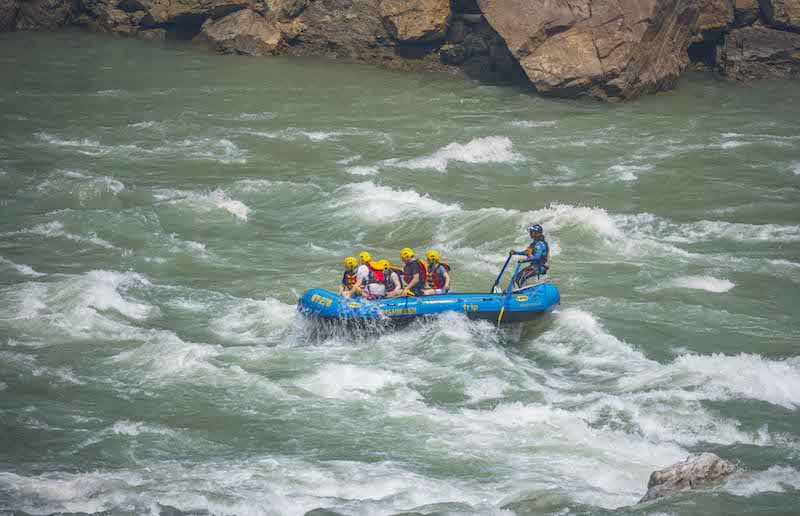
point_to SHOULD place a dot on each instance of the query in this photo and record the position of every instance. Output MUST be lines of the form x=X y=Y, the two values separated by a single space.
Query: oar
x=497 y=281
x=508 y=293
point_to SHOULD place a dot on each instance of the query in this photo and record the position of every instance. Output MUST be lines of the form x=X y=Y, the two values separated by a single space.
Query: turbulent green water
x=161 y=210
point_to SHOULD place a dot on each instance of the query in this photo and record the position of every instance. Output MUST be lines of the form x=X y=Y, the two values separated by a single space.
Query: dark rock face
x=695 y=471
x=783 y=14
x=44 y=14
x=752 y=53
x=606 y=49
x=8 y=15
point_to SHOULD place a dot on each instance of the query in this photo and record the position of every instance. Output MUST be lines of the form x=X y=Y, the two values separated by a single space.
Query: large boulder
x=414 y=21
x=752 y=53
x=609 y=49
x=43 y=14
x=8 y=15
x=695 y=471
x=243 y=32
x=783 y=14
x=159 y=13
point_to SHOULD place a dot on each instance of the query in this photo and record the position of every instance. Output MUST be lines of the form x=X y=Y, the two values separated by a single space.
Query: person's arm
x=413 y=282
x=396 y=281
x=446 y=281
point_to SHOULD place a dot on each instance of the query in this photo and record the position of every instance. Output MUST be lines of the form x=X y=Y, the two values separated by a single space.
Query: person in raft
x=391 y=279
x=415 y=273
x=438 y=275
x=537 y=254
x=369 y=279
x=349 y=277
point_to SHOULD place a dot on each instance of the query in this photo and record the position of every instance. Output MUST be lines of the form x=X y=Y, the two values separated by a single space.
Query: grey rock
x=696 y=471
x=783 y=14
x=8 y=15
x=753 y=53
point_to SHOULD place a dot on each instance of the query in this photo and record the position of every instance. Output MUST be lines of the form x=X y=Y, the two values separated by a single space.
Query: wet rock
x=745 y=12
x=190 y=12
x=243 y=32
x=783 y=14
x=8 y=15
x=695 y=471
x=608 y=49
x=453 y=54
x=414 y=21
x=43 y=14
x=152 y=34
x=752 y=53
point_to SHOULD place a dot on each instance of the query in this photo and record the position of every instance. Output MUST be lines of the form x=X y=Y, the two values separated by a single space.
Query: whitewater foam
x=382 y=203
x=253 y=321
x=629 y=172
x=776 y=479
x=346 y=381
x=490 y=149
x=205 y=201
x=707 y=283
x=362 y=171
x=530 y=124
x=796 y=168
x=25 y=270
x=55 y=229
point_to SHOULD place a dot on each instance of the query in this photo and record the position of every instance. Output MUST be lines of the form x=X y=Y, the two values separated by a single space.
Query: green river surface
x=161 y=210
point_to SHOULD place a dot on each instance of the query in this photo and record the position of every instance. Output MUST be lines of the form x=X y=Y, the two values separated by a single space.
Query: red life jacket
x=375 y=273
x=434 y=280
x=349 y=279
x=423 y=273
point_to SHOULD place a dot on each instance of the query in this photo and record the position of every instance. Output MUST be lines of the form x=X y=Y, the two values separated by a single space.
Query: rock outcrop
x=243 y=32
x=783 y=14
x=752 y=53
x=745 y=12
x=609 y=49
x=415 y=21
x=8 y=15
x=696 y=471
x=606 y=49
x=43 y=14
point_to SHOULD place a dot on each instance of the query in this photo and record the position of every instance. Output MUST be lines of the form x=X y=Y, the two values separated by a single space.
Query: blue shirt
x=539 y=249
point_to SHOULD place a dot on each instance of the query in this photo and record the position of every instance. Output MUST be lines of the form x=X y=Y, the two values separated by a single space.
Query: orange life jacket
x=349 y=279
x=434 y=279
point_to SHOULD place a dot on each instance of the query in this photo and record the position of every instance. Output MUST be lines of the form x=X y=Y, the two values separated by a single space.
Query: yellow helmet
x=385 y=265
x=407 y=253
x=364 y=257
x=432 y=256
x=350 y=262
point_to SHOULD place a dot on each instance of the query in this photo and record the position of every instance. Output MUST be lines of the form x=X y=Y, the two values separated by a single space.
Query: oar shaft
x=501 y=273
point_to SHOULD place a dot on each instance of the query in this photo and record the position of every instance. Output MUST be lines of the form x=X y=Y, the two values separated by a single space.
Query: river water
x=162 y=209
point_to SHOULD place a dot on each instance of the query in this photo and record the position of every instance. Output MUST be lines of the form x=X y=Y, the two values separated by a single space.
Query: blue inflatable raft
x=502 y=308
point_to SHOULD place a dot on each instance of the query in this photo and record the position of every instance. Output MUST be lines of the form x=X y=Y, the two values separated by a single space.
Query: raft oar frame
x=508 y=290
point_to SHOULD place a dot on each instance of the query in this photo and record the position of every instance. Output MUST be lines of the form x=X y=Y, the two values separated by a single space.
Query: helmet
x=536 y=228
x=364 y=257
x=407 y=253
x=384 y=264
x=350 y=262
x=432 y=256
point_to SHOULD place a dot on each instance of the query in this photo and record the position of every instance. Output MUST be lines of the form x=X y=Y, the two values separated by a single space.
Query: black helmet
x=536 y=228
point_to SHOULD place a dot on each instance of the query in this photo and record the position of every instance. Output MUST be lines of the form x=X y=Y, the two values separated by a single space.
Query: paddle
x=497 y=281
x=508 y=293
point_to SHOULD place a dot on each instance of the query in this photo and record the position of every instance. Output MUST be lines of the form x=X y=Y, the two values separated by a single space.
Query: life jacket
x=388 y=278
x=349 y=279
x=434 y=280
x=545 y=255
x=375 y=272
x=423 y=273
